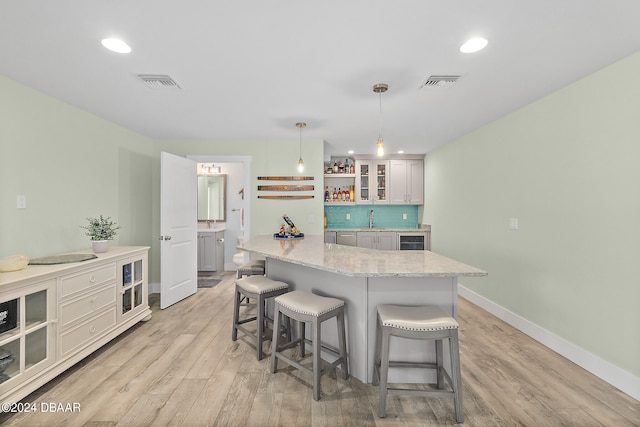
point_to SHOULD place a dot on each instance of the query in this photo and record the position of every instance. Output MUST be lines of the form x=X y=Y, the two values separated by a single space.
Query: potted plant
x=100 y=230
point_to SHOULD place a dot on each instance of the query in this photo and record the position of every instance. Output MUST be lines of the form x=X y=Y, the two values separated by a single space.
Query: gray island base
x=364 y=279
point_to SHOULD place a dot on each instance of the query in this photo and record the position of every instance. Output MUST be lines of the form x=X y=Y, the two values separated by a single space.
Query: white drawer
x=88 y=304
x=78 y=282
x=82 y=334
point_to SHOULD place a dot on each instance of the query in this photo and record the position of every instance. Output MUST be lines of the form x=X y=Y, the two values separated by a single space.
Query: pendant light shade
x=301 y=125
x=380 y=88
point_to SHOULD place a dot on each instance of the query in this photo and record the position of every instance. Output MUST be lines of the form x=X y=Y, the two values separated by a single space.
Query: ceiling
x=251 y=69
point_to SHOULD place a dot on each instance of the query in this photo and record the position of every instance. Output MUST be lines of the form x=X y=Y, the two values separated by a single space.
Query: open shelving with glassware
x=339 y=182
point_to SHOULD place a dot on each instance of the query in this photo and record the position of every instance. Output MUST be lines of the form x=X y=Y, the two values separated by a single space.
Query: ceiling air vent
x=159 y=81
x=441 y=81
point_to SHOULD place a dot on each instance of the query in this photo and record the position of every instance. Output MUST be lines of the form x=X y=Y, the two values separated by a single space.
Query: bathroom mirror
x=212 y=197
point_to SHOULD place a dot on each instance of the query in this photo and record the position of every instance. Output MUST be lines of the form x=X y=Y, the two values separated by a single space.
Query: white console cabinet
x=64 y=312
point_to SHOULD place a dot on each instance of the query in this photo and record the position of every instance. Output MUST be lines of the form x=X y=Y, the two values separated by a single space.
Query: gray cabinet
x=386 y=240
x=330 y=237
x=406 y=179
x=210 y=250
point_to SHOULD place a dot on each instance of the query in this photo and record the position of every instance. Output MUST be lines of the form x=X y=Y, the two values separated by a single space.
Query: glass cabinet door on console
x=26 y=331
x=131 y=279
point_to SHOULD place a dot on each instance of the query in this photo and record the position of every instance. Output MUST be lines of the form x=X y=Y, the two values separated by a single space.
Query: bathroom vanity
x=210 y=249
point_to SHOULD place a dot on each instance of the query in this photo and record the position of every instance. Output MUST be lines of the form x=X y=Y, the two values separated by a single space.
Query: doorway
x=238 y=171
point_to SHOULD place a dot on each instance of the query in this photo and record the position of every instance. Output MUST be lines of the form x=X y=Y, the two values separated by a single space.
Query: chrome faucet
x=371 y=219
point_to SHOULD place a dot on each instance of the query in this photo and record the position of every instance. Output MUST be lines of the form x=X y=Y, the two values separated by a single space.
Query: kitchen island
x=364 y=279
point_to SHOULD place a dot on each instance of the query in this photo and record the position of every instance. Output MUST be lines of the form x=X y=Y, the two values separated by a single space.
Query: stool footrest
x=413 y=392
x=417 y=365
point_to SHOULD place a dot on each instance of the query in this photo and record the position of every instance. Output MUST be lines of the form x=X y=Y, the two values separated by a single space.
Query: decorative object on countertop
x=62 y=259
x=100 y=230
x=13 y=263
x=290 y=231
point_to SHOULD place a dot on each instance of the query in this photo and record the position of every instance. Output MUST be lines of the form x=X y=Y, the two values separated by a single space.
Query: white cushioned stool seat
x=259 y=288
x=426 y=323
x=426 y=318
x=255 y=267
x=260 y=284
x=315 y=309
x=308 y=303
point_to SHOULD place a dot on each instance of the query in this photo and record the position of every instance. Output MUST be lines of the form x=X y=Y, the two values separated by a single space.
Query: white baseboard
x=608 y=372
x=154 y=288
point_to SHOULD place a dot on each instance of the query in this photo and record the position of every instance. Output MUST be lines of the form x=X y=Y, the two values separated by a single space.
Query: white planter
x=100 y=246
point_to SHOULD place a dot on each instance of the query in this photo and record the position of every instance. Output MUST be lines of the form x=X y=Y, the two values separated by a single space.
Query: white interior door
x=178 y=229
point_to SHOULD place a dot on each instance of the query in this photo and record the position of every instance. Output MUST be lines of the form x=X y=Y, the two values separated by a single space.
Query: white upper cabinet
x=406 y=182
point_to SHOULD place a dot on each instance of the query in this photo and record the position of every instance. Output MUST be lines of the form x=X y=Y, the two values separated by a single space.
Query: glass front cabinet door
x=363 y=174
x=132 y=273
x=26 y=333
x=372 y=177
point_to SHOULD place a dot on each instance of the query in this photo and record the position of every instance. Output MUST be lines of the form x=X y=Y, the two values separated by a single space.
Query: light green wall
x=70 y=165
x=567 y=167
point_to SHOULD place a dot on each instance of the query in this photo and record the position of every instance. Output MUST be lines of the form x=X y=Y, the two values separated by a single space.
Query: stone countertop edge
x=353 y=261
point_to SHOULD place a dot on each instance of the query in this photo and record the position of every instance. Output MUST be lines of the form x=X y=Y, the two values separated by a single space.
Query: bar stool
x=424 y=323
x=259 y=288
x=255 y=267
x=307 y=307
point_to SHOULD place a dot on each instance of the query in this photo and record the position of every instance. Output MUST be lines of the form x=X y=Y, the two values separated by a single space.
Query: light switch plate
x=404 y=216
x=513 y=223
x=21 y=201
x=312 y=218
x=348 y=216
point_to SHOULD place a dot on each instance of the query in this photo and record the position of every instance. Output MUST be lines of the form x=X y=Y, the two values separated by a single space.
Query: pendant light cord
x=380 y=118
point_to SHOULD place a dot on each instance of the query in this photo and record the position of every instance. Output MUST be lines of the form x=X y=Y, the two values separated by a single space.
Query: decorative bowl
x=13 y=263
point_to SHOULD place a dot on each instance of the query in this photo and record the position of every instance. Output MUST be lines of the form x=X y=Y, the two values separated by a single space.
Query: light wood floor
x=181 y=368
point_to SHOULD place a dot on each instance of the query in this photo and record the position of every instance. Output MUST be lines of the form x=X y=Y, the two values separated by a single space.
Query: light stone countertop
x=352 y=261
x=211 y=230
x=394 y=230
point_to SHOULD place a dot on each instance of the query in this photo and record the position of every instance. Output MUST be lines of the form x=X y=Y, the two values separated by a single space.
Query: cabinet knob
x=92 y=329
x=92 y=279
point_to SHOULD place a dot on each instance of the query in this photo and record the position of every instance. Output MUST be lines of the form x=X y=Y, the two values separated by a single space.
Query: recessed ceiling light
x=116 y=45
x=473 y=45
x=400 y=151
x=350 y=152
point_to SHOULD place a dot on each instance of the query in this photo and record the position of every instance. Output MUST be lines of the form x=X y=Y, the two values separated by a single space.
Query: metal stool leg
x=274 y=339
x=343 y=346
x=384 y=373
x=317 y=367
x=456 y=377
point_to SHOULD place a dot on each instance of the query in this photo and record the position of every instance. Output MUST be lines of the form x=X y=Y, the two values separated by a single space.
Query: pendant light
x=380 y=88
x=301 y=125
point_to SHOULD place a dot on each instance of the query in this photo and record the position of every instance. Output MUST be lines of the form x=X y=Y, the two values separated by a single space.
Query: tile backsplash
x=385 y=216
